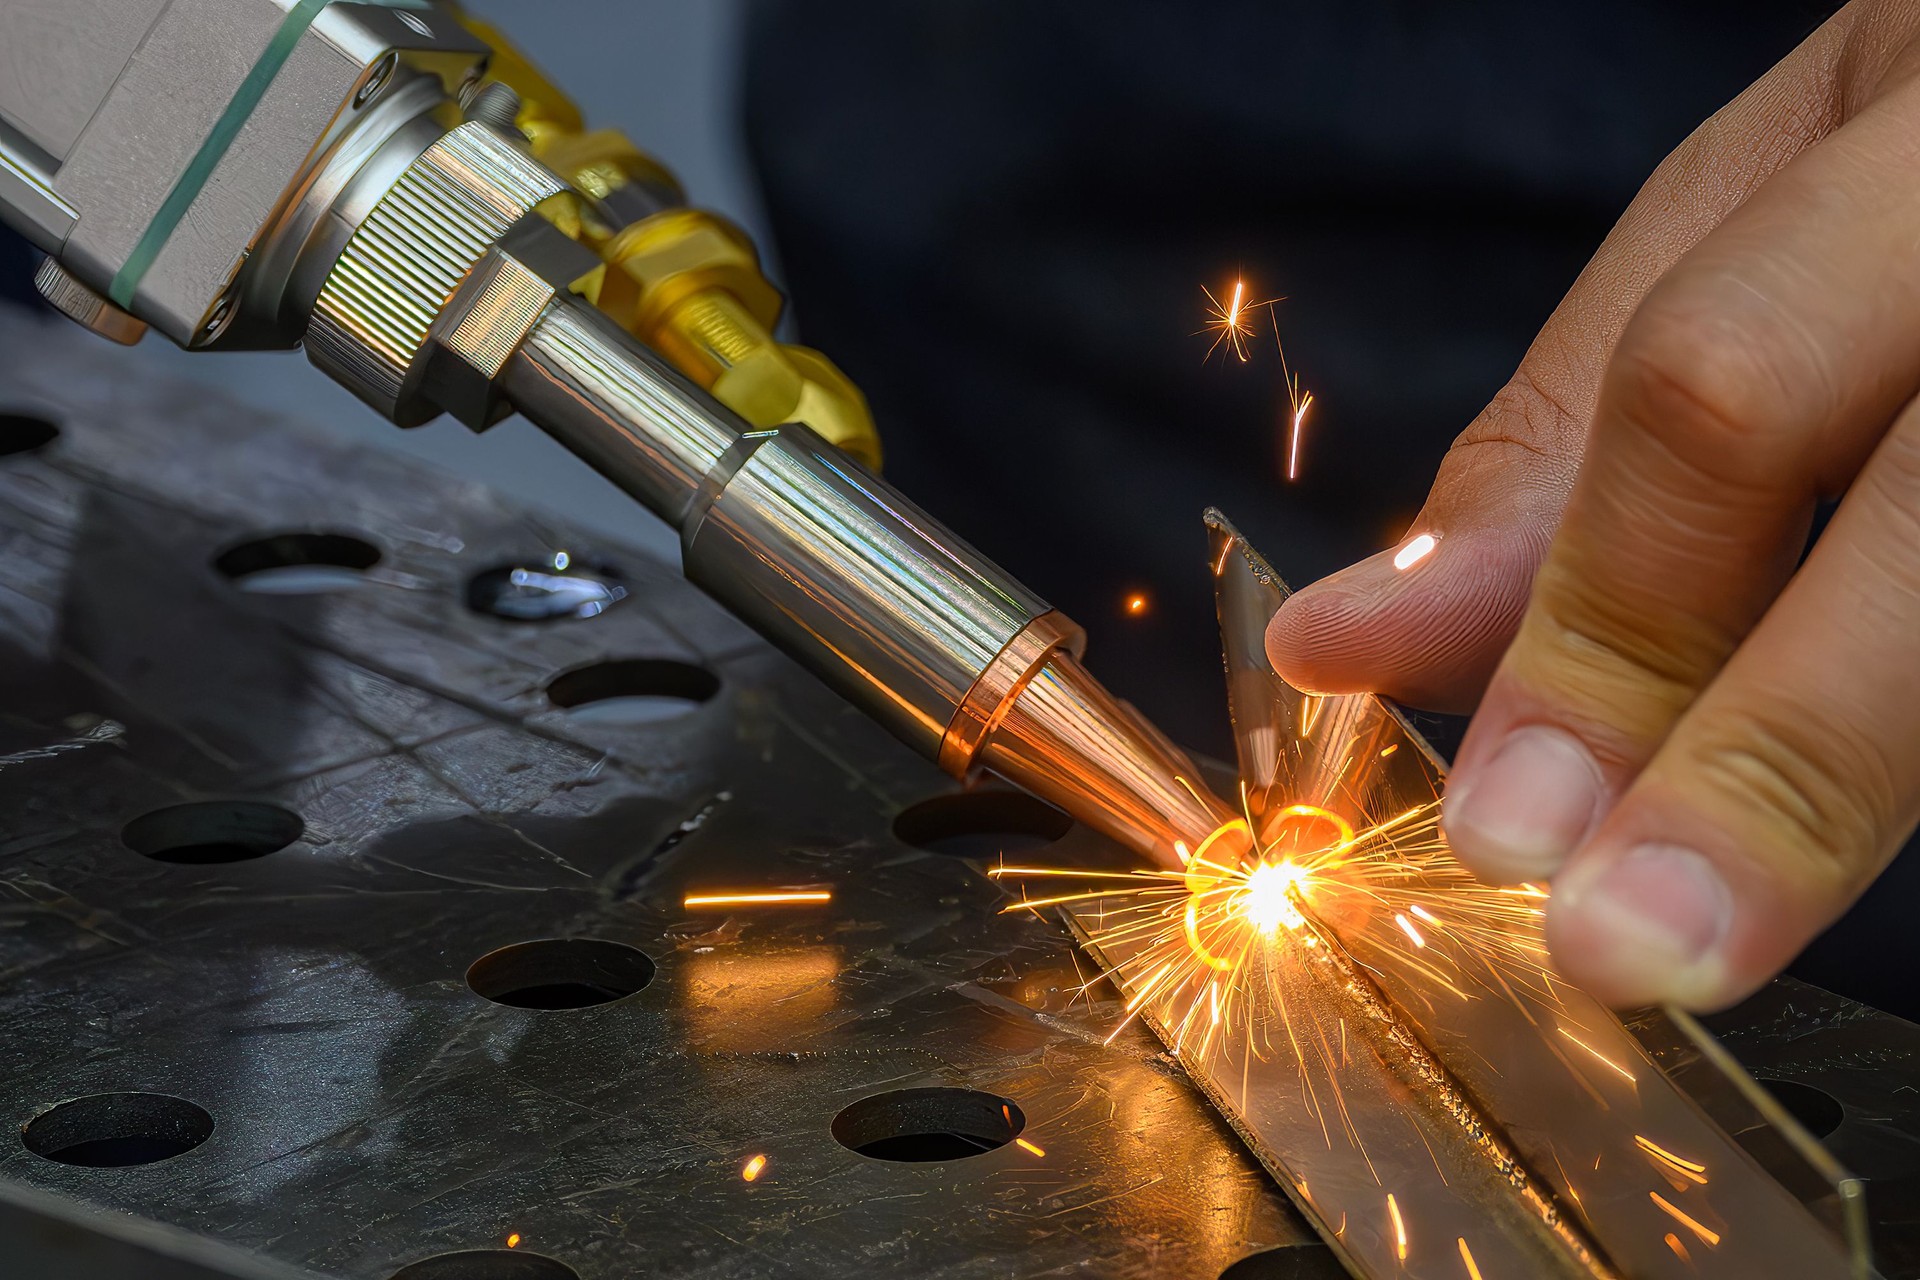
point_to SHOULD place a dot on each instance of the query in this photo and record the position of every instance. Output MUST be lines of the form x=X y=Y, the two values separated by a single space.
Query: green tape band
x=187 y=189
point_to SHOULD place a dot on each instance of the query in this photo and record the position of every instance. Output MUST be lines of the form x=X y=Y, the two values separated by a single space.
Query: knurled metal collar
x=404 y=263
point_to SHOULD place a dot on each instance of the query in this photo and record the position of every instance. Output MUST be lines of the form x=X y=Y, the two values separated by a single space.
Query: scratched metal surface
x=372 y=1110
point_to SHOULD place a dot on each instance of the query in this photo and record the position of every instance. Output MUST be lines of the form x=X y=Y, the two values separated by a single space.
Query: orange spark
x=1193 y=939
x=1228 y=322
x=1466 y=1256
x=1024 y=1145
x=1399 y=1226
x=1689 y=1169
x=1299 y=405
x=1711 y=1237
x=1406 y=927
x=1416 y=550
x=1605 y=1060
x=513 y=1240
x=723 y=898
x=1680 y=1250
x=1136 y=604
x=753 y=1168
x=1389 y=751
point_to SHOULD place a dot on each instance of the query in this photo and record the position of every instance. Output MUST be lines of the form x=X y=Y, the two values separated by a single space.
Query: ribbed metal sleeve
x=405 y=261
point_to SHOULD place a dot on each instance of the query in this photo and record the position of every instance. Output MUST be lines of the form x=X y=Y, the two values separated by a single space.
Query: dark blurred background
x=997 y=216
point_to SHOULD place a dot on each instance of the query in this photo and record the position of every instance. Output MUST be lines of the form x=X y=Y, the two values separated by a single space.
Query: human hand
x=1709 y=754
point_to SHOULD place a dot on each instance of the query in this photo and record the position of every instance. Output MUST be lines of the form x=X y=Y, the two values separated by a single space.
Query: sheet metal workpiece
x=1411 y=1069
x=369 y=1109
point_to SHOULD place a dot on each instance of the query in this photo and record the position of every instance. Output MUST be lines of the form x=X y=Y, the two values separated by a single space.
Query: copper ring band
x=993 y=691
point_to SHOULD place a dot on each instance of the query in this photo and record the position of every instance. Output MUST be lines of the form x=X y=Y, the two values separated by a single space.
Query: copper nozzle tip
x=1068 y=740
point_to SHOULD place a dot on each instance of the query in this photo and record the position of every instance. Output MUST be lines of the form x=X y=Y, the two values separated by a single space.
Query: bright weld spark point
x=757 y=899
x=1711 y=1237
x=513 y=1240
x=1601 y=1056
x=1424 y=914
x=561 y=560
x=753 y=1168
x=1269 y=896
x=1406 y=927
x=1024 y=1145
x=1414 y=552
x=1466 y=1256
x=1399 y=1226
x=1136 y=604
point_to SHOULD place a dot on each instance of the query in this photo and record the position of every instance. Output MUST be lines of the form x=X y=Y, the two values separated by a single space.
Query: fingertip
x=1426 y=629
x=1317 y=639
x=1650 y=925
x=1522 y=813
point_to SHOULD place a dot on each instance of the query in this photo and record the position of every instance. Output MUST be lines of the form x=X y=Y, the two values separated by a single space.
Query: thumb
x=1425 y=622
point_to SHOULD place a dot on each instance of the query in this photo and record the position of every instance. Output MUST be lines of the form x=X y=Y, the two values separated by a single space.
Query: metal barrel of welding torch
x=450 y=296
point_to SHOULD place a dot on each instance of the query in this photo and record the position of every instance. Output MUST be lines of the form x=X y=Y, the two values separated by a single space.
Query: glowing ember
x=1414 y=552
x=753 y=1168
x=1024 y=1145
x=513 y=1240
x=722 y=898
x=1136 y=604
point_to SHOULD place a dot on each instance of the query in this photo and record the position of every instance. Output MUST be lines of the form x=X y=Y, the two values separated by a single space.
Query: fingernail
x=1649 y=916
x=1527 y=808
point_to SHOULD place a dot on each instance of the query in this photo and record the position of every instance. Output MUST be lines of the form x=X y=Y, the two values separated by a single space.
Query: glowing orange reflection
x=738 y=1001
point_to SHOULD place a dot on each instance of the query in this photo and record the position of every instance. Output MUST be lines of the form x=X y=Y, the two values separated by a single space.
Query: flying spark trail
x=1399 y=1227
x=1674 y=1211
x=783 y=897
x=1298 y=402
x=1690 y=1170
